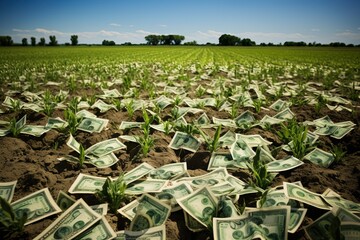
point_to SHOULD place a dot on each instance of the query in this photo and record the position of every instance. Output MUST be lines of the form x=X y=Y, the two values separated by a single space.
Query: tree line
x=164 y=39
x=172 y=39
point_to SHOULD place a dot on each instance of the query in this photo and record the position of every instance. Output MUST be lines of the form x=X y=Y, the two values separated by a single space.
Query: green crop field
x=212 y=142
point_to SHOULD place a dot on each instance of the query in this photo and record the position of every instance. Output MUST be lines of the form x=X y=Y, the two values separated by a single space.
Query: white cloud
x=115 y=24
x=163 y=25
x=315 y=30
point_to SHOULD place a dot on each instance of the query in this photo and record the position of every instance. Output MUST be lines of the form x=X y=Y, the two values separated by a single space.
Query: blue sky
x=274 y=21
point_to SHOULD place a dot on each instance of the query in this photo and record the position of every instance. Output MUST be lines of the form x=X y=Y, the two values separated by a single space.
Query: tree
x=42 y=42
x=192 y=43
x=24 y=42
x=152 y=39
x=53 y=41
x=247 y=42
x=108 y=43
x=74 y=40
x=177 y=39
x=33 y=41
x=229 y=40
x=5 y=41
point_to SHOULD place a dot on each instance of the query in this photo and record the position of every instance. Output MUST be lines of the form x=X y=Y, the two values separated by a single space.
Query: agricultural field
x=179 y=142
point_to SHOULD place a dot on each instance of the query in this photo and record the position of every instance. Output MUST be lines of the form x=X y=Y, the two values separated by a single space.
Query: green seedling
x=81 y=155
x=257 y=105
x=11 y=224
x=212 y=144
x=117 y=103
x=130 y=108
x=338 y=152
x=168 y=126
x=263 y=197
x=71 y=118
x=190 y=129
x=15 y=127
x=113 y=192
x=260 y=176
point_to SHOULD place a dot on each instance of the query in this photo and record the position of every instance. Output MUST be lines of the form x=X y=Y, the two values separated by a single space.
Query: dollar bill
x=337 y=201
x=32 y=106
x=226 y=208
x=146 y=186
x=93 y=124
x=323 y=121
x=4 y=132
x=284 y=164
x=72 y=143
x=64 y=201
x=100 y=230
x=34 y=130
x=203 y=119
x=102 y=106
x=224 y=122
x=56 y=123
x=265 y=223
x=104 y=161
x=326 y=129
x=20 y=124
x=86 y=184
x=285 y=114
x=297 y=216
x=138 y=172
x=100 y=209
x=325 y=227
x=111 y=93
x=350 y=230
x=170 y=171
x=192 y=224
x=223 y=159
x=301 y=194
x=129 y=210
x=162 y=102
x=245 y=118
x=201 y=205
x=340 y=132
x=240 y=187
x=184 y=141
x=134 y=139
x=149 y=213
x=169 y=194
x=105 y=147
x=222 y=189
x=85 y=114
x=253 y=140
x=37 y=206
x=241 y=151
x=71 y=223
x=227 y=139
x=83 y=105
x=7 y=190
x=212 y=178
x=320 y=157
x=154 y=233
x=270 y=120
x=9 y=102
x=127 y=125
x=278 y=105
x=275 y=197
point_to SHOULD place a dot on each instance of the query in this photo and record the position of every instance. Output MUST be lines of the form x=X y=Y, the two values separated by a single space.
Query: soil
x=32 y=161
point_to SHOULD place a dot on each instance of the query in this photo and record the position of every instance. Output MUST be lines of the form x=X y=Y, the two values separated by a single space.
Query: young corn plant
x=15 y=128
x=287 y=130
x=338 y=152
x=260 y=176
x=117 y=104
x=130 y=108
x=11 y=224
x=234 y=110
x=212 y=144
x=168 y=126
x=263 y=197
x=190 y=129
x=16 y=105
x=300 y=146
x=113 y=192
x=73 y=121
x=81 y=155
x=257 y=105
x=49 y=103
